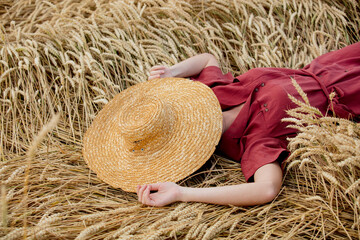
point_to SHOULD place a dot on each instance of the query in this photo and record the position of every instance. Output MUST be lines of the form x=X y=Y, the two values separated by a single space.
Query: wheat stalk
x=72 y=57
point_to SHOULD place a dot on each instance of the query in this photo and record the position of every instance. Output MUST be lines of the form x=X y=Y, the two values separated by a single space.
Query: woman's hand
x=167 y=193
x=264 y=189
x=187 y=68
x=160 y=72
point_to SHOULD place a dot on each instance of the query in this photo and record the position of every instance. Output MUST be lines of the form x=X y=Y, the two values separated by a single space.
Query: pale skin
x=267 y=179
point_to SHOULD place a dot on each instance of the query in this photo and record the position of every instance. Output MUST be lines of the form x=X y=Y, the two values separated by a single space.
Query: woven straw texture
x=157 y=131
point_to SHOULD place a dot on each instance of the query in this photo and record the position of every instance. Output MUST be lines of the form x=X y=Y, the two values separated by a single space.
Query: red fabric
x=257 y=136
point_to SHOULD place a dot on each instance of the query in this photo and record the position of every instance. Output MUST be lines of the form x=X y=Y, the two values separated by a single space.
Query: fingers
x=157 y=67
x=140 y=192
x=155 y=74
x=146 y=196
x=143 y=193
x=158 y=72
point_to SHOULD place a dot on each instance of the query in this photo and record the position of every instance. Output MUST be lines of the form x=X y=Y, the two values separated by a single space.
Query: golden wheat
x=72 y=57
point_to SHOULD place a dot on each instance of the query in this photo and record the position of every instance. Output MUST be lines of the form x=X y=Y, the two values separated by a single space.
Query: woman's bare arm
x=189 y=67
x=267 y=184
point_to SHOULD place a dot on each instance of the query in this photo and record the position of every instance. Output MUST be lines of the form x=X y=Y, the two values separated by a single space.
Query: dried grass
x=71 y=57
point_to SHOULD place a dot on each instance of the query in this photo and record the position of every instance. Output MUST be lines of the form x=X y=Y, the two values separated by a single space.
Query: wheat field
x=61 y=61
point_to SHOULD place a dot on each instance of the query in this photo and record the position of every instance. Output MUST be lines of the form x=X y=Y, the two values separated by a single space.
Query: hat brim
x=176 y=152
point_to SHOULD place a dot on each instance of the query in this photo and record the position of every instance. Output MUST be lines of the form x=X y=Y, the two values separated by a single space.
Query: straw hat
x=157 y=131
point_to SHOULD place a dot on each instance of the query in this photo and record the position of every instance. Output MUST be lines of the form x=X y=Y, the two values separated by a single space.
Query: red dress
x=257 y=136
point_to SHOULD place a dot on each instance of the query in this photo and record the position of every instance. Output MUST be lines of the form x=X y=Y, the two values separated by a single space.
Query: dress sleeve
x=212 y=76
x=261 y=152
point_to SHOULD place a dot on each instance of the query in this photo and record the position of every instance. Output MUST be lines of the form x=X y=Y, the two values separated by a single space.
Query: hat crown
x=142 y=120
x=157 y=131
